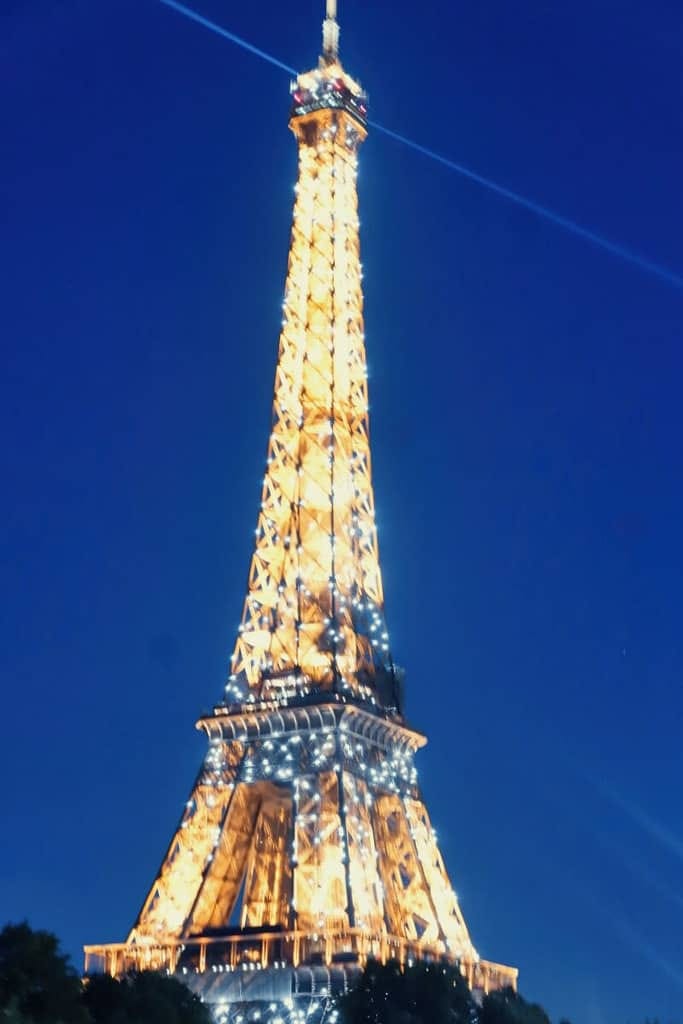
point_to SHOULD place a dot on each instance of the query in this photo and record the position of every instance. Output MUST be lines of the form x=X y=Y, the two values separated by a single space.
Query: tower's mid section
x=305 y=846
x=313 y=619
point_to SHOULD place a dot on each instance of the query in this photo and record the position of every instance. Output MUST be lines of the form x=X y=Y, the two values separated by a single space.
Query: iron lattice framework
x=305 y=840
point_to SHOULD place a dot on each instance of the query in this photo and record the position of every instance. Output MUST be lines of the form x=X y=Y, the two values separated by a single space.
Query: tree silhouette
x=422 y=994
x=508 y=1007
x=146 y=998
x=38 y=984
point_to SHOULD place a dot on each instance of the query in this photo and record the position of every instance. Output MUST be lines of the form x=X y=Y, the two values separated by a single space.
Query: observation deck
x=280 y=956
x=324 y=91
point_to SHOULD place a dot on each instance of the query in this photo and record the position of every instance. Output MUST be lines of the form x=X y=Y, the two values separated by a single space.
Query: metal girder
x=268 y=887
x=366 y=885
x=216 y=897
x=320 y=891
x=181 y=876
x=409 y=905
x=451 y=922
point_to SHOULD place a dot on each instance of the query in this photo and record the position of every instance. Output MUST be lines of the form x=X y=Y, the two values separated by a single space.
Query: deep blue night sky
x=527 y=432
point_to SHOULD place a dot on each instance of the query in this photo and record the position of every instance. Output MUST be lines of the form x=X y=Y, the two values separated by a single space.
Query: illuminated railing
x=329 y=94
x=279 y=950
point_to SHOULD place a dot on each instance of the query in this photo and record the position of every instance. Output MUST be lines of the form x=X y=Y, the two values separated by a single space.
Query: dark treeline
x=39 y=985
x=429 y=994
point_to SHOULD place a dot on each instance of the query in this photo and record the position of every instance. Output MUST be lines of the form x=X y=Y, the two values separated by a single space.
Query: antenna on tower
x=331 y=33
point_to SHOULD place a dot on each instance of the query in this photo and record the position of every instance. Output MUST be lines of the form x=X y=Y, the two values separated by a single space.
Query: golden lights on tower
x=305 y=838
x=313 y=614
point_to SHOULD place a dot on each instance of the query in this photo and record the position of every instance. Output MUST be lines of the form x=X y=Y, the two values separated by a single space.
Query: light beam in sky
x=640 y=871
x=201 y=20
x=614 y=248
x=654 y=829
x=634 y=937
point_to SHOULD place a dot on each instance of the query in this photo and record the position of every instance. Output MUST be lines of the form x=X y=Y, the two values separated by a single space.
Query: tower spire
x=331 y=33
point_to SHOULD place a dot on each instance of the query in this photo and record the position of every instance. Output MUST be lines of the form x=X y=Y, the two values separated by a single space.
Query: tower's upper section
x=313 y=619
x=328 y=87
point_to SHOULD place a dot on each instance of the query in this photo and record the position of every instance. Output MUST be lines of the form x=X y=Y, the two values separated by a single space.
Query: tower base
x=277 y=977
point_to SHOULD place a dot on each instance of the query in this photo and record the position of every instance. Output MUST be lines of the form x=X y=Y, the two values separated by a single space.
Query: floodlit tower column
x=305 y=846
x=313 y=616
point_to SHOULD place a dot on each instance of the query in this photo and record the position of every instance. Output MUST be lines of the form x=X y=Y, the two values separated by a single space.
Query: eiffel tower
x=305 y=847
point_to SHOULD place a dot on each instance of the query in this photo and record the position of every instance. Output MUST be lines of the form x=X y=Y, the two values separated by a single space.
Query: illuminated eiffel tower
x=305 y=847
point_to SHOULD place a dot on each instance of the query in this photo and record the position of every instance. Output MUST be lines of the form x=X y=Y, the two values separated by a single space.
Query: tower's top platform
x=329 y=88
